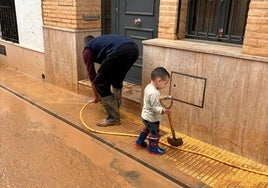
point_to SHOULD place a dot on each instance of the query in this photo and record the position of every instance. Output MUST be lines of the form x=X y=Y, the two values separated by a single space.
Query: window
x=8 y=21
x=217 y=20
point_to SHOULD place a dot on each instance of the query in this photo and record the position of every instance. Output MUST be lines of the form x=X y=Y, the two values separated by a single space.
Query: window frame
x=223 y=17
x=8 y=21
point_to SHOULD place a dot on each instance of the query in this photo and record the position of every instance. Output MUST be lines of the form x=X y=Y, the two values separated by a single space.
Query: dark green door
x=136 y=19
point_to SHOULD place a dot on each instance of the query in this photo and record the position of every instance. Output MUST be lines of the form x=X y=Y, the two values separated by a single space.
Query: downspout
x=178 y=18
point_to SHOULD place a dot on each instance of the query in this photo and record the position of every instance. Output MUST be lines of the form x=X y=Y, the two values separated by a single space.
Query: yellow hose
x=181 y=149
x=101 y=132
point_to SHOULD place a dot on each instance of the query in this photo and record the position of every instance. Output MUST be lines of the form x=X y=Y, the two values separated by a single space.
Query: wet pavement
x=50 y=117
x=39 y=150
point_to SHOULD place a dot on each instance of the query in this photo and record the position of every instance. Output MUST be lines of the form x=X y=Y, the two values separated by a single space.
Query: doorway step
x=130 y=91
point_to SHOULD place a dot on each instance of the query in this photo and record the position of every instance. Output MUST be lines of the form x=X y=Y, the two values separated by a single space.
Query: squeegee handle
x=170 y=98
x=171 y=126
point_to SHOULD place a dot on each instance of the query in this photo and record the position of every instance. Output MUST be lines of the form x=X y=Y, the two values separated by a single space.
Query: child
x=152 y=110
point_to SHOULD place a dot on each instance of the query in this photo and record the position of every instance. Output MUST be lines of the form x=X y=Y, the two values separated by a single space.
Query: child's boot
x=154 y=148
x=141 y=139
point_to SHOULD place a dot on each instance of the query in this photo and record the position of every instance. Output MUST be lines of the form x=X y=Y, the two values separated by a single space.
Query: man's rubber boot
x=154 y=148
x=111 y=109
x=141 y=139
x=117 y=95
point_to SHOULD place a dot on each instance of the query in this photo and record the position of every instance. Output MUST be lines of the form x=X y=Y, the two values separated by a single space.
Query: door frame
x=113 y=20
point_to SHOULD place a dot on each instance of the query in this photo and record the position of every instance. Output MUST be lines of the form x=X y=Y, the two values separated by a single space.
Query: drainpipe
x=178 y=19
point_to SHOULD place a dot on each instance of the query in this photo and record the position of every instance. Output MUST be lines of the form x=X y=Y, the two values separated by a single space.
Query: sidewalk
x=195 y=164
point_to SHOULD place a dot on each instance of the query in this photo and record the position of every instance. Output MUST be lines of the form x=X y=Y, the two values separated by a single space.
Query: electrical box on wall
x=188 y=89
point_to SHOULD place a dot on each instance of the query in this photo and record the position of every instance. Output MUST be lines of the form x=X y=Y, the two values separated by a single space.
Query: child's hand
x=165 y=111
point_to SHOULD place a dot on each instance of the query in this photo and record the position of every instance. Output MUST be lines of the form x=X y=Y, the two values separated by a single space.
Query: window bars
x=218 y=20
x=8 y=21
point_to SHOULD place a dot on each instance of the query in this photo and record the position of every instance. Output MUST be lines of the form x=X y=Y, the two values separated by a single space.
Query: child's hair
x=87 y=39
x=159 y=72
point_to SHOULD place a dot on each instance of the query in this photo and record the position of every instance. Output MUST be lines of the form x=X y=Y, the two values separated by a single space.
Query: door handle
x=137 y=21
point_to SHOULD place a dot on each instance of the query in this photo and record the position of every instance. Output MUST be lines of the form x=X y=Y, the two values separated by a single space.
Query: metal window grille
x=217 y=20
x=8 y=21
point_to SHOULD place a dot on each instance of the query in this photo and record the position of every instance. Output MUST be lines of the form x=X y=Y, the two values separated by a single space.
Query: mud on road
x=38 y=150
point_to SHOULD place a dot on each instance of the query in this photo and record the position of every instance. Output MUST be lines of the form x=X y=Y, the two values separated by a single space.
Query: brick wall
x=256 y=35
x=70 y=13
x=168 y=15
x=168 y=19
x=183 y=18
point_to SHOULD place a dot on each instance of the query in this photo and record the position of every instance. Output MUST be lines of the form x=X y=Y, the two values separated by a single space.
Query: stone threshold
x=130 y=91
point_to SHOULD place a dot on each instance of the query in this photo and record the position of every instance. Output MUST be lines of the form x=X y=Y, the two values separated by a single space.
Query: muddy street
x=38 y=150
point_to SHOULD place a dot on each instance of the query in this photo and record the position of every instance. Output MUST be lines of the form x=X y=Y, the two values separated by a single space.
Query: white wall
x=29 y=19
